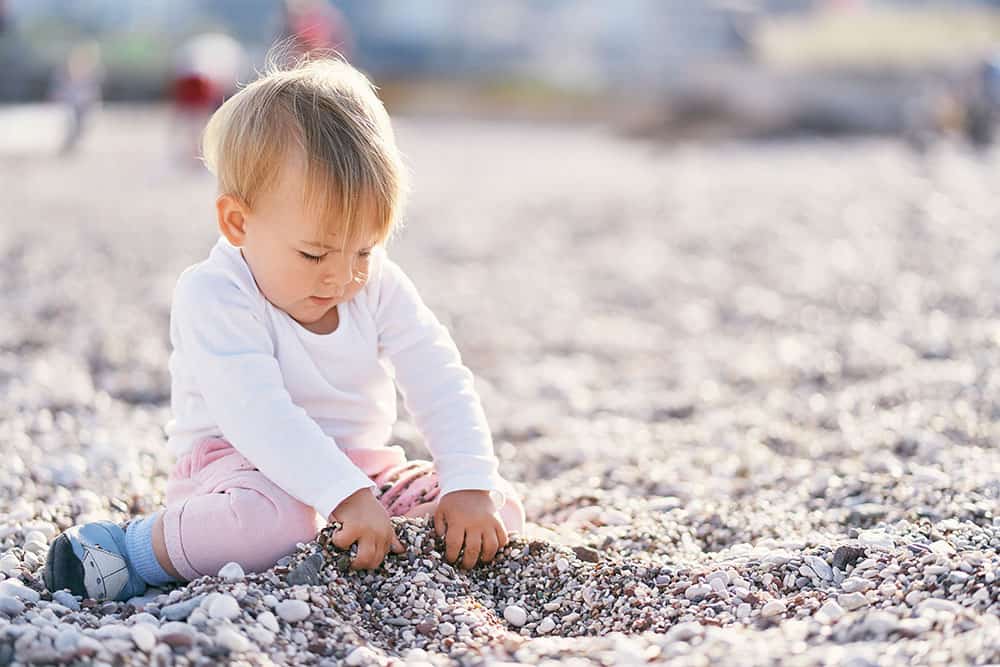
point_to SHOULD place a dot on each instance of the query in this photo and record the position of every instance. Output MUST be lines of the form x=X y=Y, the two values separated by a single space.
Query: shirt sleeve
x=231 y=357
x=437 y=388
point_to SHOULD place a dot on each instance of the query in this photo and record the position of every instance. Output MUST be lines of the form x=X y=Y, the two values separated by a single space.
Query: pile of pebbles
x=753 y=420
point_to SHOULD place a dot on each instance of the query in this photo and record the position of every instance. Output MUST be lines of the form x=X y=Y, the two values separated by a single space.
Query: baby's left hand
x=469 y=517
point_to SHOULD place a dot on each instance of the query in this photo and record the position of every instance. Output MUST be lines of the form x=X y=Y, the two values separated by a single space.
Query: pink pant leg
x=221 y=509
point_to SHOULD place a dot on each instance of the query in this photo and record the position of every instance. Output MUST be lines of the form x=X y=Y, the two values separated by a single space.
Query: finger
x=490 y=546
x=502 y=537
x=344 y=538
x=453 y=543
x=367 y=557
x=439 y=524
x=473 y=544
x=397 y=546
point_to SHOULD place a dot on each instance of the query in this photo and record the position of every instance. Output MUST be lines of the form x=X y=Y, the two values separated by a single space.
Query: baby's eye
x=365 y=253
x=312 y=258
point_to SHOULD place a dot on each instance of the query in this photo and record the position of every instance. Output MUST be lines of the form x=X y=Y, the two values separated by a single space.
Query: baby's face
x=303 y=275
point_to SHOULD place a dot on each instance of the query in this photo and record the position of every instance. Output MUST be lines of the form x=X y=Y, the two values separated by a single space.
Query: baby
x=287 y=341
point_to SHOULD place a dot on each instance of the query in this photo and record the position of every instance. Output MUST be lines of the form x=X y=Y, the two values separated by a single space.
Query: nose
x=341 y=272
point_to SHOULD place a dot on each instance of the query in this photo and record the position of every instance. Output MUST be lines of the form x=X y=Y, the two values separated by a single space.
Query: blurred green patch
x=510 y=96
x=878 y=38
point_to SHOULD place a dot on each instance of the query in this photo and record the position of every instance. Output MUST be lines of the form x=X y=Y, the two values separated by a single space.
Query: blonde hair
x=329 y=110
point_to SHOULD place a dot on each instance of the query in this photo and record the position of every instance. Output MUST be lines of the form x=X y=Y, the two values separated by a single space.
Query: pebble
x=852 y=601
x=232 y=640
x=224 y=607
x=9 y=564
x=292 y=611
x=176 y=634
x=855 y=584
x=144 y=637
x=307 y=572
x=685 y=631
x=447 y=629
x=261 y=636
x=362 y=655
x=515 y=615
x=820 y=567
x=231 y=572
x=696 y=592
x=268 y=620
x=830 y=612
x=67 y=641
x=10 y=605
x=12 y=588
x=66 y=599
x=546 y=625
x=773 y=608
x=181 y=610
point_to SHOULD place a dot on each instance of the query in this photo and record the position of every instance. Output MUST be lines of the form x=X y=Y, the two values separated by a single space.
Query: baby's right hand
x=365 y=521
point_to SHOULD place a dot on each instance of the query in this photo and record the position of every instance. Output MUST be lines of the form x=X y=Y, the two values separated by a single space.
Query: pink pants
x=220 y=508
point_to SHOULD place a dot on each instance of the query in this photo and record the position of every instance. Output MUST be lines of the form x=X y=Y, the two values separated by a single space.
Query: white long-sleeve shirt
x=291 y=400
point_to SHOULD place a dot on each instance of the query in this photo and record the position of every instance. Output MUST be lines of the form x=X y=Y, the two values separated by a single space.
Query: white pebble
x=292 y=611
x=547 y=625
x=820 y=567
x=830 y=612
x=852 y=601
x=143 y=637
x=270 y=601
x=942 y=547
x=773 y=608
x=232 y=640
x=719 y=575
x=9 y=563
x=684 y=631
x=261 y=636
x=743 y=611
x=224 y=606
x=696 y=592
x=446 y=628
x=562 y=564
x=938 y=604
x=16 y=589
x=231 y=572
x=362 y=655
x=268 y=620
x=855 y=585
x=515 y=615
x=876 y=538
x=36 y=537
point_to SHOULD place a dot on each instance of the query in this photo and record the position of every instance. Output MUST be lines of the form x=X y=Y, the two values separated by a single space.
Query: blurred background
x=918 y=69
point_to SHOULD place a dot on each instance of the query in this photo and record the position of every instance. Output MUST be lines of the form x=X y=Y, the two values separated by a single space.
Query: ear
x=232 y=218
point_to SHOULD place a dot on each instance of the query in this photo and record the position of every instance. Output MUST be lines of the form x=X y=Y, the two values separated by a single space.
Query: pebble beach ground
x=749 y=393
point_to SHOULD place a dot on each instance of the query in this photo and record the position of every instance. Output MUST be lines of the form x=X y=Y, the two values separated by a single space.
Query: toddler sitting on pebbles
x=287 y=341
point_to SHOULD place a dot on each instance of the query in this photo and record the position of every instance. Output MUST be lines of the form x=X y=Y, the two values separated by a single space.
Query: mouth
x=323 y=299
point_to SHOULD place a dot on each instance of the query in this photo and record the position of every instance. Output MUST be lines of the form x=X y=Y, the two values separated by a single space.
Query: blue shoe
x=91 y=561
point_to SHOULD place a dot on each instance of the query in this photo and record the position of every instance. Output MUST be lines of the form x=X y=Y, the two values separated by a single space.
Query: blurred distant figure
x=77 y=84
x=312 y=25
x=206 y=70
x=983 y=103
